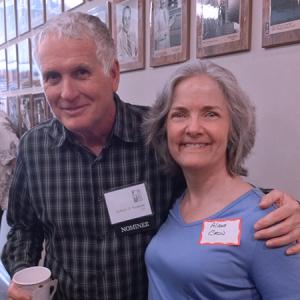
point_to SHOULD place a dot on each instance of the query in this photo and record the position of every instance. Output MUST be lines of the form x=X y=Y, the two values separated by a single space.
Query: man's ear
x=115 y=74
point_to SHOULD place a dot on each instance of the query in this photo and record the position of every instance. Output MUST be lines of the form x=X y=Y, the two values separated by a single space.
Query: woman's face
x=198 y=124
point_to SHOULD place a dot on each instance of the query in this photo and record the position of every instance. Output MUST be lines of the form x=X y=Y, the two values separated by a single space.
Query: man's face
x=126 y=19
x=78 y=91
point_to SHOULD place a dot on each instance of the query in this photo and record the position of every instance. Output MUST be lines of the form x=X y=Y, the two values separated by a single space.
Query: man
x=76 y=175
x=127 y=45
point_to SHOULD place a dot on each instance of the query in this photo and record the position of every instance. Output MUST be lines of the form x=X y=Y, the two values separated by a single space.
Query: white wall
x=272 y=79
x=269 y=76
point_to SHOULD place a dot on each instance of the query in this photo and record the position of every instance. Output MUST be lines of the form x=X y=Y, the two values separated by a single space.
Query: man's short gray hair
x=77 y=25
x=241 y=112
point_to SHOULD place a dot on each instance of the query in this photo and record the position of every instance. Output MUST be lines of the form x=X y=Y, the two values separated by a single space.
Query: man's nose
x=69 y=89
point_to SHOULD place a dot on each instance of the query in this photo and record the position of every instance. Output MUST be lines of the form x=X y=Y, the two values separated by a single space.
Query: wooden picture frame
x=281 y=23
x=24 y=61
x=35 y=75
x=53 y=8
x=12 y=67
x=223 y=29
x=11 y=20
x=3 y=104
x=2 y=23
x=70 y=4
x=39 y=108
x=3 y=71
x=13 y=111
x=169 y=38
x=23 y=16
x=103 y=12
x=128 y=31
x=37 y=13
x=26 y=118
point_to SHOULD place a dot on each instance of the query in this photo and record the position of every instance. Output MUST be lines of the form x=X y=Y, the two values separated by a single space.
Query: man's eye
x=82 y=73
x=52 y=77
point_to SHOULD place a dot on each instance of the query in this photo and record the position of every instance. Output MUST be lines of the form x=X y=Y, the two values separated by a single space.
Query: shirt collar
x=126 y=126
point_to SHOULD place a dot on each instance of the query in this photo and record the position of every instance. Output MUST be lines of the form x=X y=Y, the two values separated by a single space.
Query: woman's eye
x=211 y=114
x=177 y=115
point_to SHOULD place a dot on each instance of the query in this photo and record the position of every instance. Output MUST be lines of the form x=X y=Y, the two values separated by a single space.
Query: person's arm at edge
x=282 y=226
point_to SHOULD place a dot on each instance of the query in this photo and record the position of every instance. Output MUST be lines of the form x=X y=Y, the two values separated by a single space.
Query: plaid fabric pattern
x=57 y=195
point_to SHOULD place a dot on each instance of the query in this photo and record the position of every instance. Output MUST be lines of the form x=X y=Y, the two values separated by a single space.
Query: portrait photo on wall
x=223 y=26
x=102 y=11
x=128 y=30
x=3 y=104
x=169 y=39
x=281 y=22
x=39 y=108
x=26 y=118
x=13 y=111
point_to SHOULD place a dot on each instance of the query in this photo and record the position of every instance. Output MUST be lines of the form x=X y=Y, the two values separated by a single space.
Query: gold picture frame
x=223 y=27
x=169 y=27
x=128 y=31
x=281 y=23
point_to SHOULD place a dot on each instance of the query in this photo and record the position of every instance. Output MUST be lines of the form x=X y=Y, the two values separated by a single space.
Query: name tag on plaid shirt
x=129 y=209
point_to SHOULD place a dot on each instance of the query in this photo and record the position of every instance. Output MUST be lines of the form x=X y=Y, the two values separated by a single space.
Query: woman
x=204 y=126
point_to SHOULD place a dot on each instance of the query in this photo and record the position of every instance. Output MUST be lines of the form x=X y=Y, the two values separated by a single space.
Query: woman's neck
x=208 y=193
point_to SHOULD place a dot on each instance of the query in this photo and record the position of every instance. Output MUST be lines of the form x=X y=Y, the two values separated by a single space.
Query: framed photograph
x=223 y=27
x=26 y=119
x=2 y=23
x=102 y=11
x=35 y=75
x=11 y=21
x=39 y=105
x=24 y=64
x=13 y=111
x=3 y=104
x=23 y=16
x=37 y=13
x=3 y=71
x=53 y=8
x=70 y=4
x=169 y=39
x=128 y=31
x=12 y=67
x=281 y=22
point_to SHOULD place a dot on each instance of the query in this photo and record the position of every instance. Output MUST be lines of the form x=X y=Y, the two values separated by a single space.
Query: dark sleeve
x=25 y=238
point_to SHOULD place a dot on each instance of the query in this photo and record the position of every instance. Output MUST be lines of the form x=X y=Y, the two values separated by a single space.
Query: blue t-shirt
x=179 y=267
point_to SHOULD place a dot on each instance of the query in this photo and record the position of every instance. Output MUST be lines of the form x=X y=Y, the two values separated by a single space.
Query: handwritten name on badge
x=221 y=232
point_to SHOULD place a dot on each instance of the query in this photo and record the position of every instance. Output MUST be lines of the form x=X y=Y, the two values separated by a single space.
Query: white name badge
x=128 y=203
x=221 y=232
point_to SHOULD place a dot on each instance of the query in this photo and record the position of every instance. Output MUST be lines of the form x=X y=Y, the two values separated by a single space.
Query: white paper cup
x=37 y=282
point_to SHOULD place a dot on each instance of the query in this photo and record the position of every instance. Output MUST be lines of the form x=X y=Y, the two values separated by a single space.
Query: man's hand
x=16 y=293
x=282 y=226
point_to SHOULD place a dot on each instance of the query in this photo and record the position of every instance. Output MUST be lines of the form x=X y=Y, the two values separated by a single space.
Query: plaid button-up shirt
x=57 y=195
